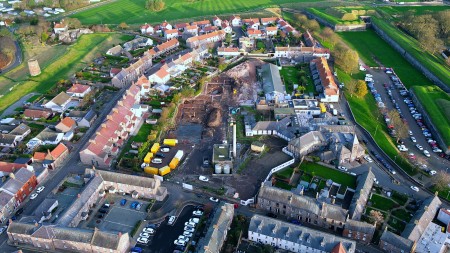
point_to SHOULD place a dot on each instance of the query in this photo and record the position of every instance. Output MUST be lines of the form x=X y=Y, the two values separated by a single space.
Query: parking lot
x=397 y=100
x=119 y=218
x=162 y=241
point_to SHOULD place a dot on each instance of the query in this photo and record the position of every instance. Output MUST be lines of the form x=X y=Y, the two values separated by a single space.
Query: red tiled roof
x=10 y=167
x=282 y=23
x=58 y=151
x=59 y=25
x=39 y=156
x=115 y=71
x=253 y=31
x=171 y=31
x=210 y=28
x=30 y=113
x=265 y=20
x=162 y=73
x=145 y=26
x=271 y=28
x=78 y=88
x=68 y=122
x=181 y=25
x=289 y=29
x=326 y=77
x=235 y=17
x=192 y=27
x=339 y=248
x=203 y=22
x=142 y=80
x=205 y=36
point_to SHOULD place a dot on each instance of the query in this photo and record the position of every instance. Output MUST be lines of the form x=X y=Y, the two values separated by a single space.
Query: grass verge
x=327 y=173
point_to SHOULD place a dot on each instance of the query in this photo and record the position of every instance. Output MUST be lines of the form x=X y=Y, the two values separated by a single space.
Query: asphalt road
x=17 y=59
x=19 y=103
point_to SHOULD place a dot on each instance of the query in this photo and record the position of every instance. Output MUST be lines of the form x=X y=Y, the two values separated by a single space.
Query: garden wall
x=413 y=61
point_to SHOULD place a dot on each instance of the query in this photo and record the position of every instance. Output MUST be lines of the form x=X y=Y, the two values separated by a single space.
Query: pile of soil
x=214 y=118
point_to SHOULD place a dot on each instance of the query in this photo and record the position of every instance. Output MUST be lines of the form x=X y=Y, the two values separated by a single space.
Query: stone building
x=33 y=67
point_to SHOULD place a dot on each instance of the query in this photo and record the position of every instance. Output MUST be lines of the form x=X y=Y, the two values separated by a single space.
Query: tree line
x=432 y=31
x=65 y=4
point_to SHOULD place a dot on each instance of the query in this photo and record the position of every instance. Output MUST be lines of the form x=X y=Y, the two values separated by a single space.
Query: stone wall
x=413 y=61
x=338 y=27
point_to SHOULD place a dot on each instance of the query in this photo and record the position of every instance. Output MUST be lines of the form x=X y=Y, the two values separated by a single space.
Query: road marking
x=117 y=223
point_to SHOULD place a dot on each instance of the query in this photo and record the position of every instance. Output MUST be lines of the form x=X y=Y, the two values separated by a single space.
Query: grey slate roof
x=76 y=206
x=61 y=98
x=126 y=179
x=20 y=129
x=271 y=79
x=423 y=216
x=105 y=240
x=308 y=204
x=21 y=228
x=12 y=185
x=396 y=240
x=7 y=138
x=72 y=234
x=298 y=234
x=360 y=226
x=5 y=197
x=47 y=135
x=363 y=187
x=217 y=231
x=23 y=175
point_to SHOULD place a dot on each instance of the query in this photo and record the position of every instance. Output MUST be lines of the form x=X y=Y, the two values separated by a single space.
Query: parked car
x=134 y=204
x=419 y=147
x=426 y=153
x=415 y=188
x=189 y=229
x=178 y=242
x=143 y=240
x=149 y=230
x=106 y=206
x=368 y=159
x=157 y=161
x=342 y=168
x=145 y=235
x=194 y=220
x=19 y=211
x=136 y=250
x=188 y=234
x=161 y=155
x=183 y=238
x=413 y=139
x=123 y=202
x=197 y=213
x=203 y=178
x=188 y=223
x=40 y=189
x=432 y=172
x=105 y=211
x=171 y=220
x=138 y=206
x=33 y=196
x=165 y=150
x=214 y=199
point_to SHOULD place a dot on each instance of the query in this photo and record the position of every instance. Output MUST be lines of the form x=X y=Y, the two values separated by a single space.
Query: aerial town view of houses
x=168 y=126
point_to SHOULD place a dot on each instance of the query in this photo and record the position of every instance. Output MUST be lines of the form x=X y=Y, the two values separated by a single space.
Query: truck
x=155 y=148
x=176 y=159
x=164 y=171
x=170 y=142
x=151 y=170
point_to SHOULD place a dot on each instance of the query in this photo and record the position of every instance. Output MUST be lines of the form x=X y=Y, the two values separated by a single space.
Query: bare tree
x=346 y=58
x=377 y=216
x=441 y=180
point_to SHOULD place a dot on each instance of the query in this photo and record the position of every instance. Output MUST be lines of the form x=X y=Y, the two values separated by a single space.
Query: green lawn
x=402 y=214
x=290 y=75
x=33 y=98
x=397 y=224
x=372 y=49
x=433 y=63
x=437 y=105
x=327 y=173
x=85 y=49
x=382 y=203
x=418 y=10
x=400 y=198
x=285 y=173
x=134 y=11
x=283 y=185
x=143 y=133
x=327 y=17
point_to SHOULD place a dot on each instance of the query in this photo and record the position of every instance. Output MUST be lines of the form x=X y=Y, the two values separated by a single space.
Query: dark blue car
x=123 y=202
x=136 y=250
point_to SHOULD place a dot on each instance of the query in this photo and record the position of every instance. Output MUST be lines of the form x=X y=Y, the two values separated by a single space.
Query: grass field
x=433 y=99
x=435 y=64
x=143 y=133
x=327 y=17
x=290 y=76
x=373 y=50
x=418 y=10
x=327 y=173
x=134 y=11
x=84 y=50
x=382 y=203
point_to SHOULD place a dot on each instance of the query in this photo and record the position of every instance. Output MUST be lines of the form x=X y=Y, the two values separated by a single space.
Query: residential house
x=321 y=52
x=392 y=243
x=8 y=140
x=208 y=38
x=160 y=77
x=226 y=27
x=114 y=71
x=209 y=29
x=217 y=230
x=162 y=48
x=362 y=194
x=79 y=90
x=147 y=29
x=254 y=34
x=164 y=26
x=59 y=28
x=46 y=137
x=37 y=114
x=60 y=103
x=191 y=30
x=7 y=168
x=295 y=238
x=144 y=84
x=217 y=21
x=444 y=215
x=271 y=30
x=137 y=42
x=21 y=184
x=65 y=125
x=422 y=218
x=202 y=24
x=59 y=238
x=115 y=51
x=302 y=208
x=236 y=20
x=181 y=26
x=136 y=186
x=21 y=131
x=272 y=85
x=104 y=145
x=7 y=205
x=359 y=231
x=83 y=118
x=171 y=34
x=228 y=51
x=323 y=76
x=268 y=21
x=252 y=23
x=309 y=40
x=128 y=75
x=246 y=43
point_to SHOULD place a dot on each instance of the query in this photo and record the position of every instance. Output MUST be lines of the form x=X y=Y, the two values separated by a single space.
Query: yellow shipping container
x=174 y=163
x=164 y=171
x=151 y=170
x=170 y=142
x=322 y=107
x=155 y=148
x=148 y=157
